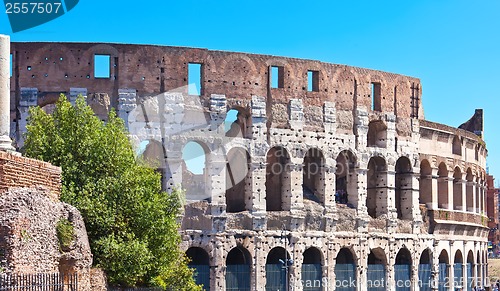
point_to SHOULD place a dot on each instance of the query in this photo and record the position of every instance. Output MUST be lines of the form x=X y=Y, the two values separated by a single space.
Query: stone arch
x=457 y=189
x=425 y=270
x=345 y=270
x=238 y=269
x=200 y=262
x=278 y=179
x=377 y=134
x=376 y=272
x=277 y=259
x=402 y=270
x=195 y=158
x=376 y=199
x=313 y=171
x=238 y=194
x=469 y=192
x=404 y=188
x=346 y=179
x=241 y=126
x=443 y=275
x=425 y=184
x=443 y=201
x=311 y=269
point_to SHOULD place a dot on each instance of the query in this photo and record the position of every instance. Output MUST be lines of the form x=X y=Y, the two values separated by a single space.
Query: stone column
x=5 y=142
x=435 y=190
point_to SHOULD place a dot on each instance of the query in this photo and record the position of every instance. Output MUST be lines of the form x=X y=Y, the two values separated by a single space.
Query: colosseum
x=313 y=176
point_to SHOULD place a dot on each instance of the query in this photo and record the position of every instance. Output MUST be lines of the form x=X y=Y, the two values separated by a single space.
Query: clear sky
x=453 y=46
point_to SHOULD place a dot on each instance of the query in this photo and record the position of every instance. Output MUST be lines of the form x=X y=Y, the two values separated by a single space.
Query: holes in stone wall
x=102 y=66
x=194 y=79
x=276 y=76
x=313 y=81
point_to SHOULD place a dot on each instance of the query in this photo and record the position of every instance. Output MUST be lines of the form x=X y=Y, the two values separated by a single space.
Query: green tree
x=131 y=224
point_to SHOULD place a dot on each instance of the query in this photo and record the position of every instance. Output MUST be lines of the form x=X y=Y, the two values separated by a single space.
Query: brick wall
x=19 y=172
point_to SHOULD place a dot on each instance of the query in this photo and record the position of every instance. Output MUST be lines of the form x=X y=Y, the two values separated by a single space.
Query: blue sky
x=453 y=46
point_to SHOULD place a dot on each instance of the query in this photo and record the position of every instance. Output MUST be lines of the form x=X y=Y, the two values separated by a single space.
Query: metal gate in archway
x=424 y=277
x=237 y=278
x=443 y=277
x=402 y=277
x=345 y=277
x=376 y=277
x=275 y=277
x=312 y=277
x=202 y=275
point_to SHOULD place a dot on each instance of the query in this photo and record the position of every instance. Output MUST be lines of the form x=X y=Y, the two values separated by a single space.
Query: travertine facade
x=331 y=166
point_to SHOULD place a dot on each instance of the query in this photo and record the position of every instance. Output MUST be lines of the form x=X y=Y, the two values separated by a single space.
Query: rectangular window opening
x=276 y=75
x=376 y=96
x=312 y=81
x=102 y=66
x=194 y=79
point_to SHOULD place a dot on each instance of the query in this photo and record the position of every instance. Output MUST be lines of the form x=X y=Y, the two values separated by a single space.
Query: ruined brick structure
x=332 y=166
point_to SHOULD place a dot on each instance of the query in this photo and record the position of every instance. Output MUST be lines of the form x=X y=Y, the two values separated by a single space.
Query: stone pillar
x=464 y=192
x=359 y=186
x=5 y=142
x=258 y=154
x=75 y=92
x=361 y=128
x=390 y=142
x=451 y=275
x=296 y=114
x=330 y=118
x=126 y=103
x=434 y=186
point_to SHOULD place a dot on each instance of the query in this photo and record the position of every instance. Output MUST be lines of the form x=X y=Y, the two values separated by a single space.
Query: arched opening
x=377 y=134
x=345 y=271
x=425 y=271
x=376 y=273
x=404 y=188
x=277 y=179
x=458 y=271
x=471 y=281
x=469 y=193
x=238 y=264
x=154 y=155
x=376 y=199
x=194 y=171
x=457 y=189
x=238 y=196
x=277 y=266
x=345 y=179
x=457 y=146
x=443 y=186
x=443 y=271
x=313 y=183
x=200 y=262
x=238 y=123
x=312 y=270
x=402 y=270
x=425 y=184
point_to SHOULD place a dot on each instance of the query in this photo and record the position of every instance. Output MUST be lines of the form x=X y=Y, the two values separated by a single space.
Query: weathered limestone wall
x=28 y=238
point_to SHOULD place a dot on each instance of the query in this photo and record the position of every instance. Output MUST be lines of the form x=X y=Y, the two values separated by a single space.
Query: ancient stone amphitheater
x=314 y=176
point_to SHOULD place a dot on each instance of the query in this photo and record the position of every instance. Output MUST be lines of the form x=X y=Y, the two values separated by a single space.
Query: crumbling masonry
x=329 y=169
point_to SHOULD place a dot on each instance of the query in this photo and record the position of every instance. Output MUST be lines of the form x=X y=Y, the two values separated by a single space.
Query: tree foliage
x=131 y=224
